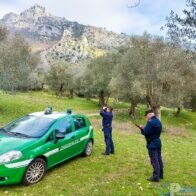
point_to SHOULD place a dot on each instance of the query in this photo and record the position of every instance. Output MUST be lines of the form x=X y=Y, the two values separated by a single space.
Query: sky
x=114 y=15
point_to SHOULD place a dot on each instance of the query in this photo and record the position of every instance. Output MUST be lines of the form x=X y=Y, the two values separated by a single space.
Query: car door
x=82 y=132
x=62 y=149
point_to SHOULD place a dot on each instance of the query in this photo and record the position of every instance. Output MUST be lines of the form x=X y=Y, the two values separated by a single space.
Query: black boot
x=104 y=153
x=161 y=176
x=153 y=179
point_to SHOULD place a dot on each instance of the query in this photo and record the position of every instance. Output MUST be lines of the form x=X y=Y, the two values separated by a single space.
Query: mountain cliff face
x=66 y=40
x=37 y=24
x=92 y=43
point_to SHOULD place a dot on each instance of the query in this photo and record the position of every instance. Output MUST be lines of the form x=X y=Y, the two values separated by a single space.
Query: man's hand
x=142 y=126
x=104 y=107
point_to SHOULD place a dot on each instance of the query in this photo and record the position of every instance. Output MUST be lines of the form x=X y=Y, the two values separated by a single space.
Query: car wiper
x=19 y=134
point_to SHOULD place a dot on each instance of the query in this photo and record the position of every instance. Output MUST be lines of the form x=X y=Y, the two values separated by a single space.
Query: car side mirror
x=58 y=135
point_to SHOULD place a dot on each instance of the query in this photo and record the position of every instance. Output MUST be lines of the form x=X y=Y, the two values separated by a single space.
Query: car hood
x=8 y=143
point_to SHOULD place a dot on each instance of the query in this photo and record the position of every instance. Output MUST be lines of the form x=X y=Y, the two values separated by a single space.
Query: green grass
x=12 y=106
x=186 y=119
x=125 y=172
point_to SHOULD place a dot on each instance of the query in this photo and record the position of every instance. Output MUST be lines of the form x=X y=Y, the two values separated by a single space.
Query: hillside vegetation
x=123 y=173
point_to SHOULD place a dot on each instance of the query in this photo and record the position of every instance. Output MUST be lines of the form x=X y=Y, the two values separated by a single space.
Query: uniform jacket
x=107 y=120
x=152 y=132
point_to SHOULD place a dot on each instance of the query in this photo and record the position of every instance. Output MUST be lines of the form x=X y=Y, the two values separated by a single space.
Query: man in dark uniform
x=107 y=115
x=152 y=132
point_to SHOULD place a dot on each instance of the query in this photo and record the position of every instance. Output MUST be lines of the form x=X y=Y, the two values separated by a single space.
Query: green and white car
x=36 y=142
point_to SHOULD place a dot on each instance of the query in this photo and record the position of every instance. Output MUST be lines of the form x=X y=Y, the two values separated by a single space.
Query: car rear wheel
x=89 y=148
x=35 y=171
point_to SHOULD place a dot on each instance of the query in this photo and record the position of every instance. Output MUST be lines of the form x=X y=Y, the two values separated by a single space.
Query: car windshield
x=29 y=126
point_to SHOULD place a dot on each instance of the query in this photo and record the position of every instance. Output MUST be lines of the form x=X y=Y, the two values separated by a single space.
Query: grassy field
x=123 y=173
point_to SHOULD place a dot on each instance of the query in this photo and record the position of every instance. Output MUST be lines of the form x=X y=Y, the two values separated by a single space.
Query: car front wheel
x=89 y=148
x=35 y=171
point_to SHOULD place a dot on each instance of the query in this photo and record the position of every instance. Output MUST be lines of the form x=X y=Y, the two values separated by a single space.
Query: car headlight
x=10 y=156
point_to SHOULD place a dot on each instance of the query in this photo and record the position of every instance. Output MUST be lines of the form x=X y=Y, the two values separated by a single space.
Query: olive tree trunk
x=178 y=112
x=193 y=103
x=101 y=97
x=71 y=94
x=132 y=111
x=154 y=104
x=61 y=89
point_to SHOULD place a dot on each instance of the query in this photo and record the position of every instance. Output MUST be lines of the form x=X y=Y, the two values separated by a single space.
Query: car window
x=64 y=126
x=32 y=126
x=79 y=123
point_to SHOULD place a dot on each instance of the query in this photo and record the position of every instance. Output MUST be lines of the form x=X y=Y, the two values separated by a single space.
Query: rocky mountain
x=91 y=43
x=58 y=38
x=36 y=23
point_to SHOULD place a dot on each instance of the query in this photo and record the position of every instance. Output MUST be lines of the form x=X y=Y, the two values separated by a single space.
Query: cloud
x=112 y=14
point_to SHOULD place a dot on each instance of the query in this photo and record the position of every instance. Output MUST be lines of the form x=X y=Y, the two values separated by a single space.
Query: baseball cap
x=148 y=111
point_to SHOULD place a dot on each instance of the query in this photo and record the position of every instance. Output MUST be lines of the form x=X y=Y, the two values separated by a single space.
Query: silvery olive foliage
x=17 y=65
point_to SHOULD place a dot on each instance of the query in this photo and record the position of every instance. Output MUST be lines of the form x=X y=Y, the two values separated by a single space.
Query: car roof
x=53 y=115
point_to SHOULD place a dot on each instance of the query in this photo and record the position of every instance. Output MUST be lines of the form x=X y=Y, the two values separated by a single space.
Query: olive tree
x=3 y=33
x=17 y=64
x=181 y=30
x=125 y=84
x=60 y=78
x=97 y=77
x=154 y=69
